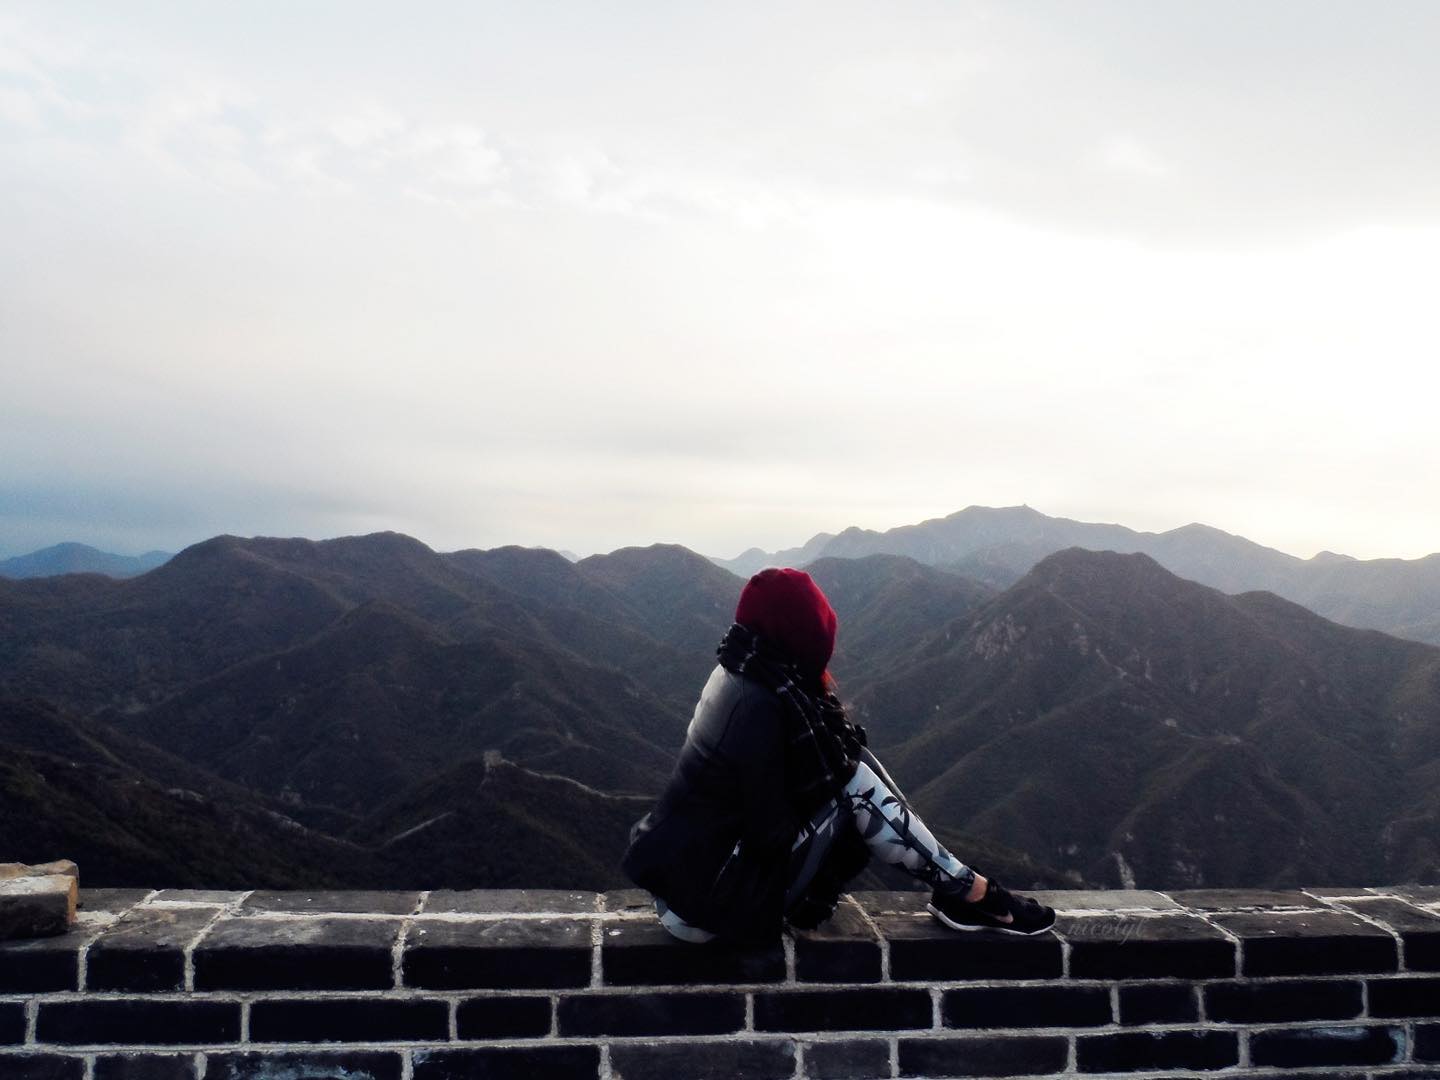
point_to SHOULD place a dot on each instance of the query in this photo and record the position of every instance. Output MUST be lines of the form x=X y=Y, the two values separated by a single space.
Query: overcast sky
x=588 y=275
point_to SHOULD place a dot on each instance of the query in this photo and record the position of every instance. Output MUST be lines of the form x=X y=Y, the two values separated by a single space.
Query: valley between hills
x=368 y=712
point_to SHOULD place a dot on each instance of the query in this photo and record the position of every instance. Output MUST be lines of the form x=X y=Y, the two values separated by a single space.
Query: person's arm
x=755 y=741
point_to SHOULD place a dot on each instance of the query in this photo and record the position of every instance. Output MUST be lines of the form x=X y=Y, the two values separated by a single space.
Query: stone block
x=491 y=1017
x=1418 y=929
x=1421 y=894
x=1405 y=998
x=304 y=1065
x=145 y=949
x=12 y=1023
x=1145 y=947
x=510 y=954
x=112 y=1021
x=922 y=949
x=1026 y=1006
x=1309 y=943
x=348 y=1020
x=343 y=902
x=1242 y=899
x=907 y=902
x=719 y=1060
x=509 y=1063
x=36 y=965
x=1106 y=900
x=870 y=1009
x=651 y=1014
x=1137 y=1051
x=847 y=1059
x=510 y=902
x=41 y=1067
x=213 y=897
x=1427 y=1042
x=1034 y=1055
x=627 y=902
x=644 y=954
x=116 y=900
x=143 y=1066
x=1351 y=1045
x=843 y=949
x=1159 y=1003
x=302 y=953
x=1292 y=999
x=59 y=866
x=37 y=906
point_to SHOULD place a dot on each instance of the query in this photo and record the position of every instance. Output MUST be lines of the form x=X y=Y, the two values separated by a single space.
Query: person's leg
x=897 y=836
x=961 y=898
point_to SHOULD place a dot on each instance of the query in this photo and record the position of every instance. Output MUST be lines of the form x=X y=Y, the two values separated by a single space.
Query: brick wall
x=540 y=985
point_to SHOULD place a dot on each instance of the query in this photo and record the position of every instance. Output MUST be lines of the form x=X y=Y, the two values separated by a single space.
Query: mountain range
x=79 y=559
x=999 y=545
x=369 y=712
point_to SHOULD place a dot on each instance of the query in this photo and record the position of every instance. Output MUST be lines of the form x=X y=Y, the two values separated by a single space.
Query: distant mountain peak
x=71 y=557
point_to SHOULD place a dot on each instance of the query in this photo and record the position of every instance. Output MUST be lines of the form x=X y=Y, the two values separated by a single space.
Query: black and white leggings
x=871 y=803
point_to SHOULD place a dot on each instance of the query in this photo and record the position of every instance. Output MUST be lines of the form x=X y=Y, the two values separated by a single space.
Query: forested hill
x=369 y=711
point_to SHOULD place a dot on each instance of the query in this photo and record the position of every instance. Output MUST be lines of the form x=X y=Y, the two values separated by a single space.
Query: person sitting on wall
x=775 y=801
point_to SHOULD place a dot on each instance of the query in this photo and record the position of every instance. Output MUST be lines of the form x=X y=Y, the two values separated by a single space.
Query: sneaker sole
x=996 y=926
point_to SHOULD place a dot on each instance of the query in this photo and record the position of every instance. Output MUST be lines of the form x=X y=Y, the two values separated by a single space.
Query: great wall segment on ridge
x=543 y=984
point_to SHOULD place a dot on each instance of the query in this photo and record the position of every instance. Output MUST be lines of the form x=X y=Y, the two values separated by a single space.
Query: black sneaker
x=1027 y=915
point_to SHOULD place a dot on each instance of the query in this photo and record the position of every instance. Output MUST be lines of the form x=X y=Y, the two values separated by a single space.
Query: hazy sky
x=588 y=275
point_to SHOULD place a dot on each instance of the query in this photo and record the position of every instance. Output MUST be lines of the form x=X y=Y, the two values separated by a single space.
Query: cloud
x=1128 y=157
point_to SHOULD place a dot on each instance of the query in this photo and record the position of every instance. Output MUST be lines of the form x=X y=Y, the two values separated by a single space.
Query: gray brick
x=136 y=1021
x=492 y=1017
x=1241 y=899
x=719 y=1060
x=847 y=1059
x=1145 y=947
x=1292 y=999
x=651 y=1014
x=510 y=901
x=1405 y=997
x=302 y=953
x=145 y=950
x=116 y=900
x=1026 y=1006
x=143 y=1066
x=41 y=1067
x=355 y=1019
x=844 y=949
x=344 y=902
x=304 y=1065
x=1350 y=1045
x=644 y=954
x=870 y=1009
x=1309 y=943
x=514 y=954
x=923 y=949
x=976 y=1056
x=39 y=964
x=509 y=1063
x=1135 y=1051
x=1419 y=930
x=1158 y=1003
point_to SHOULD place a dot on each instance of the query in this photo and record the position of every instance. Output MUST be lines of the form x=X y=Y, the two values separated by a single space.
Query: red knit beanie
x=788 y=609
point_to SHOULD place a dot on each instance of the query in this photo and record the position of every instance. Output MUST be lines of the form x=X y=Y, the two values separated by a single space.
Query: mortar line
x=597 y=940
x=229 y=909
x=869 y=920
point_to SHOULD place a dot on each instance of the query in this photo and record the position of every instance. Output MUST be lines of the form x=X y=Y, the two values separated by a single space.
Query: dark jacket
x=717 y=846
